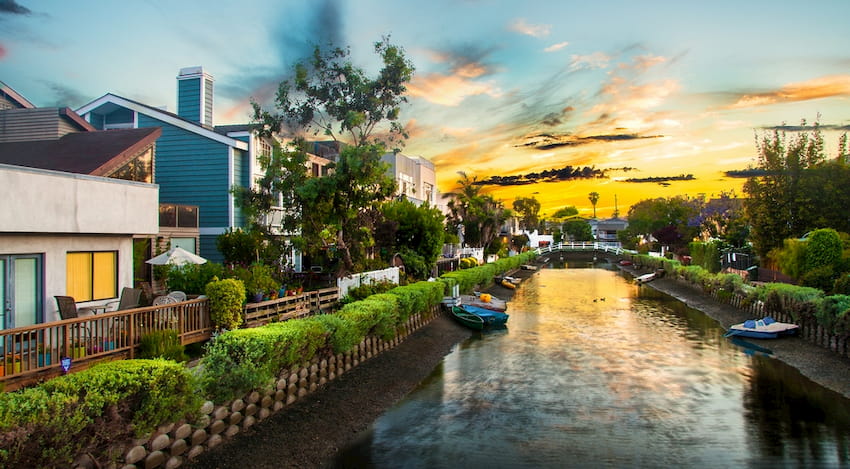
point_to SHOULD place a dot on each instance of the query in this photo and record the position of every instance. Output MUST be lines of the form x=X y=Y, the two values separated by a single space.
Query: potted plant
x=259 y=281
x=13 y=363
x=44 y=356
x=78 y=349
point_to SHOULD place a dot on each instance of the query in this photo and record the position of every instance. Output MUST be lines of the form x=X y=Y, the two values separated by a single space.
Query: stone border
x=173 y=444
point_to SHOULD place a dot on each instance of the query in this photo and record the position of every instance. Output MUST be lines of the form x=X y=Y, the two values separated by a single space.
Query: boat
x=765 y=328
x=484 y=300
x=470 y=320
x=507 y=284
x=491 y=318
x=645 y=278
x=528 y=267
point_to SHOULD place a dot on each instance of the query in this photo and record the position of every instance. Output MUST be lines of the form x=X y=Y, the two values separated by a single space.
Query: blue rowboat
x=491 y=318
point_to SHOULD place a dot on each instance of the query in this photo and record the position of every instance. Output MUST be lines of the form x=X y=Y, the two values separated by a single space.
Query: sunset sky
x=634 y=90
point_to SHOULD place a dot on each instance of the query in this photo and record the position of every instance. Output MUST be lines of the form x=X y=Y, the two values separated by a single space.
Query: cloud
x=567 y=173
x=3 y=52
x=817 y=88
x=536 y=30
x=551 y=141
x=64 y=96
x=590 y=61
x=466 y=67
x=12 y=7
x=556 y=47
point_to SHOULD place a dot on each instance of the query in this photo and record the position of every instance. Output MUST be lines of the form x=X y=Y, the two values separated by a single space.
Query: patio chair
x=178 y=295
x=67 y=307
x=130 y=298
x=164 y=300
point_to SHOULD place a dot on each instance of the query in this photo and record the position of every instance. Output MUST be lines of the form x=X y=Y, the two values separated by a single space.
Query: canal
x=595 y=371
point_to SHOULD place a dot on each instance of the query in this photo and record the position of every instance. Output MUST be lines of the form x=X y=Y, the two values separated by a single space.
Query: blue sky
x=502 y=88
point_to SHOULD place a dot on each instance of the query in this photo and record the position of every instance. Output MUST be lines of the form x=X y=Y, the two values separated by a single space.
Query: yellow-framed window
x=91 y=275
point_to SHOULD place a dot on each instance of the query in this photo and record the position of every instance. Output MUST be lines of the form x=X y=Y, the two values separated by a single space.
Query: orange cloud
x=817 y=88
x=536 y=30
x=449 y=90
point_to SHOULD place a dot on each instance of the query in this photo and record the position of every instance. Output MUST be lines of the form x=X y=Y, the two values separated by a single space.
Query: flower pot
x=78 y=352
x=282 y=292
x=13 y=366
x=44 y=359
x=258 y=297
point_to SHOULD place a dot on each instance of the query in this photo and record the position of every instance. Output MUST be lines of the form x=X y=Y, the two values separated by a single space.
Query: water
x=594 y=371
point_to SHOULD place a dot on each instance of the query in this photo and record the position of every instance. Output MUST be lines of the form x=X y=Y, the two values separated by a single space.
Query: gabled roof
x=165 y=116
x=97 y=153
x=14 y=97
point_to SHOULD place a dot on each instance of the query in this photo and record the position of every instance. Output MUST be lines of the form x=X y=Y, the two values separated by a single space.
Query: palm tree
x=593 y=197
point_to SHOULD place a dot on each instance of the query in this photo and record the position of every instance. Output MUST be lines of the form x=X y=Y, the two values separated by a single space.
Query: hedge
x=50 y=424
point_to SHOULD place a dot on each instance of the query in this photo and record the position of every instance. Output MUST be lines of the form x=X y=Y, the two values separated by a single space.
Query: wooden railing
x=35 y=353
x=290 y=307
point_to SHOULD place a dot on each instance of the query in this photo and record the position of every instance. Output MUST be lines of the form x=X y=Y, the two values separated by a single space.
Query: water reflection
x=596 y=371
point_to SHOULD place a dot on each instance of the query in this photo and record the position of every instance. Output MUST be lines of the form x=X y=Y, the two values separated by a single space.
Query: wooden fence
x=34 y=353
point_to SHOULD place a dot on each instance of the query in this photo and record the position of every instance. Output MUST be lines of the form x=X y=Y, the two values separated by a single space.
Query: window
x=91 y=275
x=185 y=243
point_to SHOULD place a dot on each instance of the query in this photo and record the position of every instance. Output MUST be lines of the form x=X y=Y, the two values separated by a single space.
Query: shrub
x=193 y=278
x=822 y=278
x=841 y=285
x=226 y=298
x=367 y=289
x=49 y=424
x=162 y=344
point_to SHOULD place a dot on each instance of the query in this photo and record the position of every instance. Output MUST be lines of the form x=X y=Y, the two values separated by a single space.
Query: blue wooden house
x=195 y=163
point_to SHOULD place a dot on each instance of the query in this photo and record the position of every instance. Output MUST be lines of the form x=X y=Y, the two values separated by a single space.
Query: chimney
x=195 y=95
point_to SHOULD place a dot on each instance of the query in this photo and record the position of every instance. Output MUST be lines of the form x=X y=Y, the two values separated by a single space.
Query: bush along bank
x=158 y=413
x=823 y=319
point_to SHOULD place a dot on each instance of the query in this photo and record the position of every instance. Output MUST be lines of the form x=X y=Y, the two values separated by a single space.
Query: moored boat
x=484 y=300
x=470 y=320
x=766 y=328
x=491 y=318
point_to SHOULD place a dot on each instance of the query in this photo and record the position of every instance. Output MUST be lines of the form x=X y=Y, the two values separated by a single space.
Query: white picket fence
x=375 y=276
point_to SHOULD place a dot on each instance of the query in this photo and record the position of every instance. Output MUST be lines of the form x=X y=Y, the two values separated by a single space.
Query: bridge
x=608 y=248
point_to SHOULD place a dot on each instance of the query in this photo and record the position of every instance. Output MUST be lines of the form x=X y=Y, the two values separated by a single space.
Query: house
x=76 y=199
x=415 y=178
x=196 y=164
x=605 y=230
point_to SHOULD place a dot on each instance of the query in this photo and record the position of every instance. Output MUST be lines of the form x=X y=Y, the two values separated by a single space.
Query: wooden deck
x=34 y=353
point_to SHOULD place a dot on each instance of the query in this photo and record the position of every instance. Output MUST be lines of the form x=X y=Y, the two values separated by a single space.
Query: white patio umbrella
x=176 y=256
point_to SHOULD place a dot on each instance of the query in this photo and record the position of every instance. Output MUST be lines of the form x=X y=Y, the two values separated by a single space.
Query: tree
x=418 y=234
x=332 y=97
x=480 y=216
x=593 y=197
x=578 y=230
x=724 y=218
x=565 y=212
x=669 y=219
x=777 y=206
x=528 y=209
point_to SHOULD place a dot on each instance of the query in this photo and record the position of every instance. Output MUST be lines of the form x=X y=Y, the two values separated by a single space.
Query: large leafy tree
x=528 y=210
x=668 y=220
x=331 y=97
x=417 y=235
x=723 y=218
x=778 y=205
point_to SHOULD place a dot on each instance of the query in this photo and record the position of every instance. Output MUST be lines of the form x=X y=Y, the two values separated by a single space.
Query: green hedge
x=50 y=424
x=801 y=303
x=483 y=275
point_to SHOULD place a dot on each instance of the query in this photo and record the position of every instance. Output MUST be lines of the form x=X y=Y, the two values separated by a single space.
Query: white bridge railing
x=612 y=248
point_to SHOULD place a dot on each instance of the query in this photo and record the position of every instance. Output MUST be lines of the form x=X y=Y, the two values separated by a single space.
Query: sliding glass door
x=21 y=290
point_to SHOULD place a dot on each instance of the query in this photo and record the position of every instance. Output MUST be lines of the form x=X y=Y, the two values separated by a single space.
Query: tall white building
x=415 y=178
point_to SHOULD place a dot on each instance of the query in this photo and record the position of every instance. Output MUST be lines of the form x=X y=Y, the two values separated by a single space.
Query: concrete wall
x=41 y=201
x=53 y=250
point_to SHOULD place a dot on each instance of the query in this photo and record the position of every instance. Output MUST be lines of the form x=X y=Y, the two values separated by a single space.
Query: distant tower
x=616 y=210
